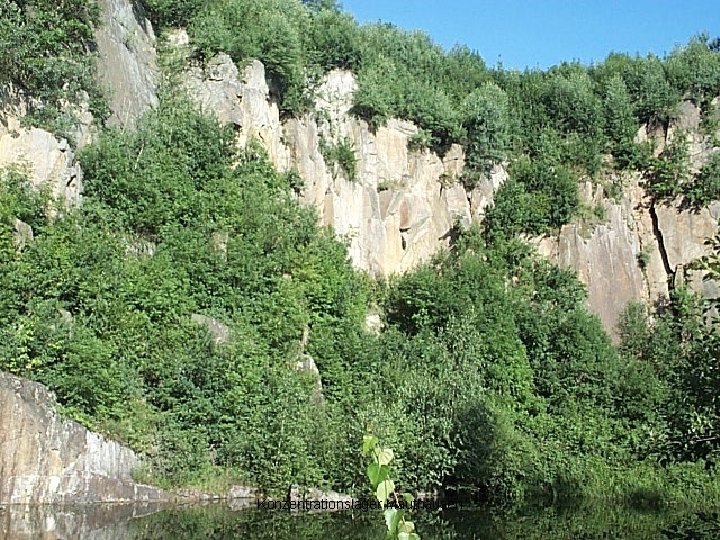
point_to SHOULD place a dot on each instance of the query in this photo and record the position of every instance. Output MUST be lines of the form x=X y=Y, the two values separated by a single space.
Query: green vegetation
x=342 y=154
x=45 y=53
x=706 y=186
x=399 y=527
x=132 y=363
x=668 y=174
x=680 y=353
x=490 y=377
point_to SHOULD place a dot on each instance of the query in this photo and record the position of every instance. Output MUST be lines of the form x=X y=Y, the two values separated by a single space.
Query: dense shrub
x=270 y=30
x=490 y=374
x=485 y=114
x=705 y=188
x=45 y=52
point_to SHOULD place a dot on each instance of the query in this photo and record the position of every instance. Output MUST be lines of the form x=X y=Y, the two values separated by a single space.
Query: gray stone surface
x=127 y=64
x=220 y=332
x=22 y=234
x=242 y=492
x=45 y=459
x=49 y=162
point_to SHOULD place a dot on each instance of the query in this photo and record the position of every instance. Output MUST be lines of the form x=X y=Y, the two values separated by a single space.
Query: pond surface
x=219 y=522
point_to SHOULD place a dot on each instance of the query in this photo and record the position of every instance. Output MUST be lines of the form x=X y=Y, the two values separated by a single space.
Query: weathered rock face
x=49 y=162
x=127 y=60
x=401 y=207
x=46 y=459
x=607 y=256
x=126 y=67
x=644 y=247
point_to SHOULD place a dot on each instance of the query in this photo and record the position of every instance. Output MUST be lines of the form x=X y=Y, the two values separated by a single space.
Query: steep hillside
x=402 y=204
x=239 y=247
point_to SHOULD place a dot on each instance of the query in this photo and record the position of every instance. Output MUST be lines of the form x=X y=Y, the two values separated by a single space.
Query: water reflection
x=96 y=522
x=220 y=522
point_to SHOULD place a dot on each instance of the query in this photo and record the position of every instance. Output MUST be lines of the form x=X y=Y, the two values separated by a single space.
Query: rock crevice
x=657 y=232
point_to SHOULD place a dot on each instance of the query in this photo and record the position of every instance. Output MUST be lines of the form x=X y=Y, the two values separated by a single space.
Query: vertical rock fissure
x=661 y=243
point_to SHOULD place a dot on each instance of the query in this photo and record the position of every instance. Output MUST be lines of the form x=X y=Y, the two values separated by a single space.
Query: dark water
x=219 y=522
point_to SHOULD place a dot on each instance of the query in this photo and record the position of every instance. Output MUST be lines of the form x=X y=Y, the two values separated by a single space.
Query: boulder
x=46 y=459
x=243 y=492
x=48 y=162
x=220 y=332
x=22 y=234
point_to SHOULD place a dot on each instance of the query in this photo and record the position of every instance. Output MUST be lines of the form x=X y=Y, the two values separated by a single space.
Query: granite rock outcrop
x=46 y=459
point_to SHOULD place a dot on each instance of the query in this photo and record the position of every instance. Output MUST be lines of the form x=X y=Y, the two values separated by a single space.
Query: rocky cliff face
x=643 y=248
x=46 y=459
x=127 y=60
x=43 y=458
x=126 y=68
x=401 y=206
x=49 y=162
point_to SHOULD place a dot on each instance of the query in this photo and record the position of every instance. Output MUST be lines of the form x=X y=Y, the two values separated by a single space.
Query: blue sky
x=541 y=33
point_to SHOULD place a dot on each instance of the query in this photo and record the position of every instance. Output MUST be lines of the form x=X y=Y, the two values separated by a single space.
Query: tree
x=485 y=117
x=620 y=121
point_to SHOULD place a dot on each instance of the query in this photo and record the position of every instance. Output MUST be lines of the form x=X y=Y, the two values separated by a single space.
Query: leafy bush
x=335 y=41
x=485 y=118
x=171 y=12
x=621 y=123
x=46 y=53
x=669 y=173
x=270 y=30
x=694 y=69
x=705 y=188
x=542 y=196
x=341 y=153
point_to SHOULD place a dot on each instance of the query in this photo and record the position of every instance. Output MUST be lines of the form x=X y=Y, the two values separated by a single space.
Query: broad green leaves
x=369 y=443
x=384 y=491
x=398 y=527
x=384 y=456
x=377 y=473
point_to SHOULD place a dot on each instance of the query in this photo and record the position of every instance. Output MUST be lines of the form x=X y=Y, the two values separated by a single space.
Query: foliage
x=490 y=376
x=45 y=52
x=694 y=70
x=378 y=472
x=485 y=119
x=705 y=187
x=171 y=12
x=620 y=120
x=682 y=350
x=669 y=173
x=539 y=197
x=342 y=154
x=270 y=30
